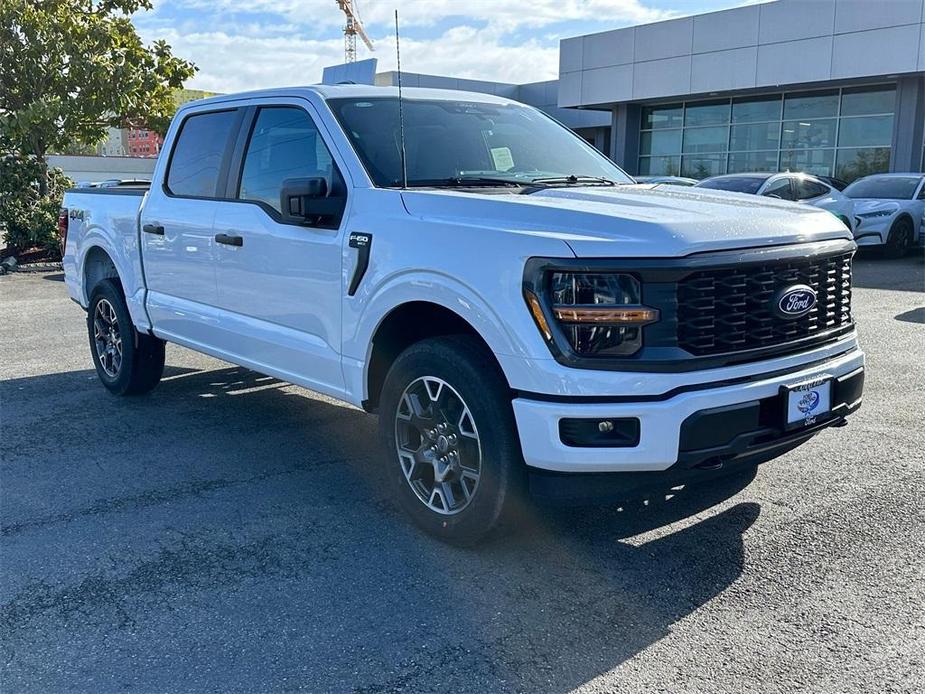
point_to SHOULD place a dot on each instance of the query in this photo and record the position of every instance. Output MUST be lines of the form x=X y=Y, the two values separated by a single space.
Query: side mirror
x=296 y=196
x=310 y=201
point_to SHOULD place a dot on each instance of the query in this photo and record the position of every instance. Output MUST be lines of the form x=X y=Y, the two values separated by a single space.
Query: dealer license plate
x=806 y=402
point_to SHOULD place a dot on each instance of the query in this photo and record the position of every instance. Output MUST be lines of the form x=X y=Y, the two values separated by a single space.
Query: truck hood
x=633 y=221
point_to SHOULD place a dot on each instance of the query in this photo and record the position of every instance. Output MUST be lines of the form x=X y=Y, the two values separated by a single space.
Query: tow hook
x=711 y=464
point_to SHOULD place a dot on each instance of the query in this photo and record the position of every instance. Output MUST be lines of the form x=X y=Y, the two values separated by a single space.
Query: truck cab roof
x=334 y=91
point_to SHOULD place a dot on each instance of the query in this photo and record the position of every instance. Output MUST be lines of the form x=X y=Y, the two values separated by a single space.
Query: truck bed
x=103 y=229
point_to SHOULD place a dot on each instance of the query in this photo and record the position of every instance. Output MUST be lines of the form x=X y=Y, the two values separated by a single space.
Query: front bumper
x=667 y=436
x=873 y=231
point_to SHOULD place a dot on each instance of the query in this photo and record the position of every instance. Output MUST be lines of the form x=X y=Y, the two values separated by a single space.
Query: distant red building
x=144 y=143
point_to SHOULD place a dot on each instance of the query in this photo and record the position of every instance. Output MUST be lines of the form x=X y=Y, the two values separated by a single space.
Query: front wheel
x=447 y=424
x=900 y=239
x=127 y=362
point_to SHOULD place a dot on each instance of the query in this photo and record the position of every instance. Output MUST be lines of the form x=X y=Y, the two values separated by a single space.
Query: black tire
x=900 y=239
x=141 y=363
x=465 y=365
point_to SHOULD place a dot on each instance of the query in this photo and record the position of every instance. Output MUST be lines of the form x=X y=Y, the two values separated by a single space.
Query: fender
x=365 y=313
x=129 y=271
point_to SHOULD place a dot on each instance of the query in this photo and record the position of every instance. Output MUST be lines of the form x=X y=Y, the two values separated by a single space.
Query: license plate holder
x=807 y=402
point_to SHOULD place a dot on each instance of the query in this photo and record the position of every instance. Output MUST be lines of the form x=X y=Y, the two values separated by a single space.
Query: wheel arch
x=97 y=265
x=405 y=325
x=904 y=215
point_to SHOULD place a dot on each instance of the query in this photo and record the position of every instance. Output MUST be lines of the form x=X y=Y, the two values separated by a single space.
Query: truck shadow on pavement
x=230 y=532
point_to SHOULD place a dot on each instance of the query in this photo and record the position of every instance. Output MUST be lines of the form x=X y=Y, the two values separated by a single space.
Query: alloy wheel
x=107 y=338
x=438 y=445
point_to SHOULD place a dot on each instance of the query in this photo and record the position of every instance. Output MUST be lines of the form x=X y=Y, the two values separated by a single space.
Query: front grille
x=729 y=310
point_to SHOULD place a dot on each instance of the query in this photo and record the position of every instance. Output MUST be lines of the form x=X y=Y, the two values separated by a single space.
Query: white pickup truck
x=521 y=314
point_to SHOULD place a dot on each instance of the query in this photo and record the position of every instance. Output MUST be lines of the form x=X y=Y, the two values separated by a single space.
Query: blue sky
x=250 y=44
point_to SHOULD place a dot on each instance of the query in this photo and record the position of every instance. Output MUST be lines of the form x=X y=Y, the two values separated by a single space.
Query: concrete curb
x=39 y=267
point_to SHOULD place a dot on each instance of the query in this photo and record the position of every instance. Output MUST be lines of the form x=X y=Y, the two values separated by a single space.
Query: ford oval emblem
x=793 y=302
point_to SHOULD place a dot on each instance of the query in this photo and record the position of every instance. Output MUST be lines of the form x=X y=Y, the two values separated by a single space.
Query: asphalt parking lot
x=228 y=533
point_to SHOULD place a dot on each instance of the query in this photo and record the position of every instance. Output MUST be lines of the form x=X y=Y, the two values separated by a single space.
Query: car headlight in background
x=600 y=314
x=877 y=213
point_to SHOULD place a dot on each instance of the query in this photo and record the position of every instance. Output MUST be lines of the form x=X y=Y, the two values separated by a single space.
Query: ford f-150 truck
x=523 y=317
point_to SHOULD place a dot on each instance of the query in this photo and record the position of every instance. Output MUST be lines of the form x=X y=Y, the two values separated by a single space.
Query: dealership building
x=833 y=87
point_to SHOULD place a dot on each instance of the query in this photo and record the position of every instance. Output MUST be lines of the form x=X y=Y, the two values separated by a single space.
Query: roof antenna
x=401 y=115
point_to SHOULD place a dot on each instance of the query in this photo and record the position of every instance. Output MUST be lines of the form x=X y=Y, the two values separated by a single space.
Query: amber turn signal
x=537 y=311
x=635 y=315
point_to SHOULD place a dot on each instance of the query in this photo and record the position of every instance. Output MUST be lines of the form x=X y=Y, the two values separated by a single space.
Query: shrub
x=30 y=218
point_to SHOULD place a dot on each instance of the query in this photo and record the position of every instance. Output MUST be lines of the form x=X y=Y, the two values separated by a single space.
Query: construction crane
x=352 y=29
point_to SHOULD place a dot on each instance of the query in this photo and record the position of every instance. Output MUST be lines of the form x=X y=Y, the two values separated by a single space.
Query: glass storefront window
x=660 y=142
x=812 y=161
x=811 y=104
x=744 y=162
x=811 y=134
x=754 y=136
x=663 y=116
x=845 y=132
x=659 y=166
x=755 y=110
x=703 y=166
x=855 y=163
x=713 y=139
x=863 y=101
x=707 y=113
x=866 y=131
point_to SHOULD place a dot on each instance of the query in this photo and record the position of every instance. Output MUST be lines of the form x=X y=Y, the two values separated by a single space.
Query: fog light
x=622 y=432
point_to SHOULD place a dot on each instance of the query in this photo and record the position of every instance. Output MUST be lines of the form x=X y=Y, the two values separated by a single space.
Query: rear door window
x=780 y=188
x=199 y=153
x=807 y=189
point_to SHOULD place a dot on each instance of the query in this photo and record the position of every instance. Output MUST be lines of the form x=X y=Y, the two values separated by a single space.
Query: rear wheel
x=900 y=238
x=448 y=429
x=127 y=362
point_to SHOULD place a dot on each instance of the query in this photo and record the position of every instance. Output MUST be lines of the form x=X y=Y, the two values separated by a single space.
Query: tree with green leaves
x=71 y=68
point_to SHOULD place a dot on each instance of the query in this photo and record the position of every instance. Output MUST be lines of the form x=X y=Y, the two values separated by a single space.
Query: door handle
x=229 y=240
x=153 y=229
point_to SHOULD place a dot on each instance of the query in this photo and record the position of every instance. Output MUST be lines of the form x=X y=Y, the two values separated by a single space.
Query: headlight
x=878 y=213
x=600 y=314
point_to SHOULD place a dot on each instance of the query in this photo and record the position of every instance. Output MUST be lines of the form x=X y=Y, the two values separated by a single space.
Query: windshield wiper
x=464 y=181
x=573 y=180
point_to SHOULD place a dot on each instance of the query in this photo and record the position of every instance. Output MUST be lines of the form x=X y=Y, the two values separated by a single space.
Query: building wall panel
x=570 y=55
x=724 y=70
x=720 y=31
x=794 y=62
x=609 y=48
x=606 y=83
x=664 y=39
x=878 y=51
x=861 y=15
x=792 y=20
x=658 y=77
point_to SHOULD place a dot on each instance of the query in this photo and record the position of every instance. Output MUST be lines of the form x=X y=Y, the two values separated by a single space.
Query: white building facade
x=832 y=87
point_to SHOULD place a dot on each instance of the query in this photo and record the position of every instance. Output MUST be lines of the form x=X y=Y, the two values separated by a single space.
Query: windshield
x=735 y=184
x=450 y=142
x=884 y=187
